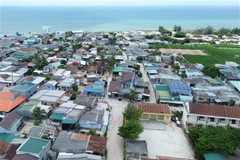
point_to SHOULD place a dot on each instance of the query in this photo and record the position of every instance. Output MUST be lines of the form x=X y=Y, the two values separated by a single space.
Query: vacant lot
x=183 y=51
x=166 y=140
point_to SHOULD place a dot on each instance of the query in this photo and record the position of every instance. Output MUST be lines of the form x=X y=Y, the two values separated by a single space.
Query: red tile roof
x=6 y=102
x=3 y=147
x=154 y=108
x=79 y=136
x=11 y=152
x=214 y=110
x=97 y=144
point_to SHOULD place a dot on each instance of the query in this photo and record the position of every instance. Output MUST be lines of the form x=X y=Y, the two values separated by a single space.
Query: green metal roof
x=214 y=156
x=16 y=123
x=7 y=137
x=68 y=121
x=33 y=145
x=57 y=116
x=29 y=106
x=117 y=69
x=24 y=87
x=215 y=81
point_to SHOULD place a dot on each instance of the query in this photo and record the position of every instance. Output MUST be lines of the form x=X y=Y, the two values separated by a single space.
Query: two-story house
x=196 y=114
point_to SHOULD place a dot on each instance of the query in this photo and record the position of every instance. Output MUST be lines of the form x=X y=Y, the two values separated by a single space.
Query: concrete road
x=115 y=142
x=145 y=77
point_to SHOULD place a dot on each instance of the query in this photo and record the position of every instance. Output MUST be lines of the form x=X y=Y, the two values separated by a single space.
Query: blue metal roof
x=176 y=87
x=92 y=90
x=100 y=82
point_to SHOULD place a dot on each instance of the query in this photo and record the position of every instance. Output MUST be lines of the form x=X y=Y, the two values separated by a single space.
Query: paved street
x=115 y=143
x=145 y=77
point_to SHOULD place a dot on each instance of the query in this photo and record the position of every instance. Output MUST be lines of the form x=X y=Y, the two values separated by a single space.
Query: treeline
x=222 y=31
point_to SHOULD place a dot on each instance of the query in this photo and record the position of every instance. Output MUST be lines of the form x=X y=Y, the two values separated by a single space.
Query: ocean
x=113 y=18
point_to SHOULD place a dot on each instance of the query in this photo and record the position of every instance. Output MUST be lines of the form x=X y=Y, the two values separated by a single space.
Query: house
x=10 y=151
x=26 y=89
x=92 y=77
x=174 y=91
x=35 y=147
x=86 y=100
x=51 y=85
x=3 y=147
x=195 y=114
x=136 y=149
x=69 y=142
x=92 y=119
x=48 y=97
x=81 y=156
x=97 y=145
x=156 y=112
x=115 y=88
x=235 y=85
x=113 y=49
x=9 y=101
x=128 y=80
x=26 y=110
x=61 y=74
x=96 y=89
x=11 y=123
x=154 y=58
x=66 y=84
x=25 y=53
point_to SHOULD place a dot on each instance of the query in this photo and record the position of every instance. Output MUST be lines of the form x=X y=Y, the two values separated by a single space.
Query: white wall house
x=196 y=114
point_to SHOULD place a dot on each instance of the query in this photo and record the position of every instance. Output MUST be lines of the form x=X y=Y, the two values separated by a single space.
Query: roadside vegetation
x=223 y=140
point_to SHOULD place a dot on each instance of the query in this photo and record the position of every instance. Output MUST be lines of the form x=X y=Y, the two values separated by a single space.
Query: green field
x=216 y=53
x=226 y=46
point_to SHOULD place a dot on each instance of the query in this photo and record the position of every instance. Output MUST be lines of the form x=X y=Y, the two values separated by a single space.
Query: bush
x=105 y=134
x=139 y=75
x=36 y=122
x=179 y=35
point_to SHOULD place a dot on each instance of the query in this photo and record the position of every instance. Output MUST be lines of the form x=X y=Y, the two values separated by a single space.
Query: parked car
x=178 y=123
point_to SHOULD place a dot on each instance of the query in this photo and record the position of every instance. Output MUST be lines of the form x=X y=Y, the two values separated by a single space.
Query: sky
x=115 y=2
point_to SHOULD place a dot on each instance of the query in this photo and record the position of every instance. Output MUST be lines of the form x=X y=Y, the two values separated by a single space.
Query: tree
x=92 y=132
x=29 y=72
x=214 y=139
x=211 y=71
x=132 y=95
x=232 y=103
x=180 y=35
x=177 y=28
x=73 y=96
x=224 y=31
x=110 y=61
x=64 y=62
x=61 y=66
x=75 y=87
x=113 y=40
x=130 y=130
x=140 y=59
x=161 y=29
x=100 y=48
x=132 y=113
x=39 y=115
x=208 y=30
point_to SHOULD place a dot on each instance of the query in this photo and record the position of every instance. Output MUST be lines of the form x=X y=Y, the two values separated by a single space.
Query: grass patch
x=204 y=60
x=226 y=46
x=216 y=53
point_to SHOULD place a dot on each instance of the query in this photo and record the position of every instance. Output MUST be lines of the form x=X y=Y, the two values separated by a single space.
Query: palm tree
x=38 y=114
x=110 y=63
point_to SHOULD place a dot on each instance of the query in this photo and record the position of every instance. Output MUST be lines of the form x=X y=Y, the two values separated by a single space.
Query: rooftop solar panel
x=179 y=88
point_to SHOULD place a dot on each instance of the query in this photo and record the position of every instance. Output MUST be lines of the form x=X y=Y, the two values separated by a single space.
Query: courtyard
x=166 y=140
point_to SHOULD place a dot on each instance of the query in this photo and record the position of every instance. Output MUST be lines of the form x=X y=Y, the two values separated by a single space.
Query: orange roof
x=80 y=136
x=7 y=103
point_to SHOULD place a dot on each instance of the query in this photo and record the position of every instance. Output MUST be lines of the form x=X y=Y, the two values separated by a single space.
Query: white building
x=46 y=29
x=61 y=74
x=195 y=114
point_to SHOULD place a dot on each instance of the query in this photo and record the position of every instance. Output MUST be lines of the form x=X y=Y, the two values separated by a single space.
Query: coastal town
x=123 y=95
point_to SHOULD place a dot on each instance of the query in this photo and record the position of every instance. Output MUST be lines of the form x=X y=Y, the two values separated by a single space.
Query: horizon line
x=115 y=5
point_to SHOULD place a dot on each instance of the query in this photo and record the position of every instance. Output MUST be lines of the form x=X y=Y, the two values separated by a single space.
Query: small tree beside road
x=131 y=128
